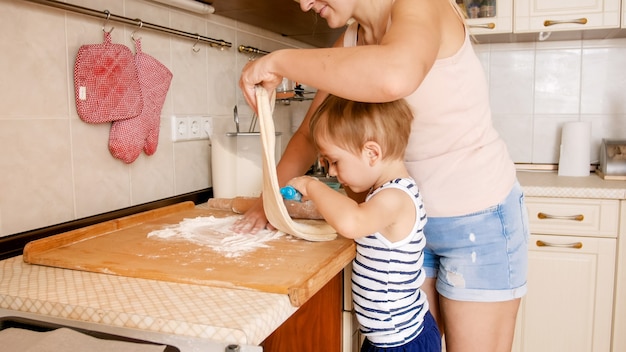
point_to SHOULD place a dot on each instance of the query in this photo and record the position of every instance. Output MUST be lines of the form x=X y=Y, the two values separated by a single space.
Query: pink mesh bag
x=128 y=138
x=106 y=84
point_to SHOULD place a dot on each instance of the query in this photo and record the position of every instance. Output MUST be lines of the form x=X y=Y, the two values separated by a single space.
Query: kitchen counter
x=215 y=315
x=227 y=315
x=550 y=184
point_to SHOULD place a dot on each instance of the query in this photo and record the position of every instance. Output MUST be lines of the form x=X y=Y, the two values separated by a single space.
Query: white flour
x=217 y=234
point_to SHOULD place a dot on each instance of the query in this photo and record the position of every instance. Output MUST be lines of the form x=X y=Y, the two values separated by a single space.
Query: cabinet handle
x=577 y=245
x=548 y=23
x=578 y=217
x=489 y=25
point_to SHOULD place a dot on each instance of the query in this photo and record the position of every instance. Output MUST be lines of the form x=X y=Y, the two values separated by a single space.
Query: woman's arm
x=371 y=73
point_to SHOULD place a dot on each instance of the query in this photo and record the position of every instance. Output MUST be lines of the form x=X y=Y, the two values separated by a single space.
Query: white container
x=575 y=153
x=237 y=164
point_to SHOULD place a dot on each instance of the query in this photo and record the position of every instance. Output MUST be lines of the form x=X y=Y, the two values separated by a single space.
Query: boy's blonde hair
x=350 y=124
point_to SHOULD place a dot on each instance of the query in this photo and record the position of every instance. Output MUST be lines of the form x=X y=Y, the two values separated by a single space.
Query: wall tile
x=517 y=132
x=557 y=80
x=547 y=137
x=512 y=79
x=36 y=180
x=603 y=85
x=34 y=75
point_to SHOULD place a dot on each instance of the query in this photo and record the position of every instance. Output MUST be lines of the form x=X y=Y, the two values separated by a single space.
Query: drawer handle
x=548 y=23
x=489 y=25
x=577 y=245
x=578 y=217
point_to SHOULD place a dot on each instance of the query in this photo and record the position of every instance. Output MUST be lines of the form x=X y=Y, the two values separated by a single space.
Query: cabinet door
x=501 y=22
x=570 y=293
x=623 y=13
x=563 y=15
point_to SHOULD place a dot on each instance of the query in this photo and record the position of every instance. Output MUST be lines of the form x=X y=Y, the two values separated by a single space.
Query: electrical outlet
x=180 y=128
x=194 y=126
x=189 y=128
x=207 y=127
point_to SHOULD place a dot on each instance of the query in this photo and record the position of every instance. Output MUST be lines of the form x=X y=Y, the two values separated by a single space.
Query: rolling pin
x=239 y=205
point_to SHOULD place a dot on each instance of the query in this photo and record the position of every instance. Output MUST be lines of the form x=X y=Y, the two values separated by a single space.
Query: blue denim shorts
x=480 y=257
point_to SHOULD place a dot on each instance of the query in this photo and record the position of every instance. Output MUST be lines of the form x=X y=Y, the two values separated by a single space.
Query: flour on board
x=216 y=233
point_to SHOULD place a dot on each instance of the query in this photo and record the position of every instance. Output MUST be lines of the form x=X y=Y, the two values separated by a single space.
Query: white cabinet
x=623 y=13
x=502 y=22
x=563 y=15
x=569 y=305
x=619 y=309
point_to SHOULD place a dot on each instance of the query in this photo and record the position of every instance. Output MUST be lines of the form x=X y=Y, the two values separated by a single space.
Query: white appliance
x=237 y=164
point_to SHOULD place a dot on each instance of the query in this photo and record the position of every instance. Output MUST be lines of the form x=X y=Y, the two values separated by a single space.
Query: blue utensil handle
x=290 y=193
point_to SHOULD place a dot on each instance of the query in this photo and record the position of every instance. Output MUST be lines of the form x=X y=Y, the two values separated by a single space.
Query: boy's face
x=351 y=170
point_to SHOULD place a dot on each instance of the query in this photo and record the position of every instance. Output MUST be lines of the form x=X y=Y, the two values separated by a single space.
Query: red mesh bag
x=106 y=84
x=128 y=138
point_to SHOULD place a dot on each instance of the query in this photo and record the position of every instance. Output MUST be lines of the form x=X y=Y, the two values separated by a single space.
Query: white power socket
x=194 y=124
x=188 y=128
x=179 y=128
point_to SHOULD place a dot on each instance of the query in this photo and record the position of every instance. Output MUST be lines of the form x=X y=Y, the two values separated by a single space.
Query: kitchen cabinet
x=623 y=13
x=619 y=309
x=502 y=22
x=572 y=251
x=563 y=15
x=316 y=326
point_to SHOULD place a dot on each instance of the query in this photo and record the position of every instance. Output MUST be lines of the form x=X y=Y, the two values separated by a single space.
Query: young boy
x=363 y=145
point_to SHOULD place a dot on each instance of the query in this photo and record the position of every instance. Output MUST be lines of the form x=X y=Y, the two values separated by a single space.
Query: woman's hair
x=349 y=124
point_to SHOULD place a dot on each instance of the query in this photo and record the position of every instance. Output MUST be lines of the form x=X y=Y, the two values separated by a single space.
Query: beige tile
x=557 y=81
x=32 y=64
x=36 y=177
x=191 y=162
x=101 y=182
x=152 y=177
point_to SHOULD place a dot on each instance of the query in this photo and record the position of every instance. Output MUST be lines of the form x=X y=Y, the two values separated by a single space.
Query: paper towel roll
x=575 y=149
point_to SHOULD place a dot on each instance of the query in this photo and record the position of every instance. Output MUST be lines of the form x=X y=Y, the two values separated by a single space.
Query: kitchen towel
x=575 y=154
x=127 y=138
x=106 y=84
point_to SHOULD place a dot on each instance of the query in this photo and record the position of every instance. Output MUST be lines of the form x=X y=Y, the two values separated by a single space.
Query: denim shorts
x=480 y=257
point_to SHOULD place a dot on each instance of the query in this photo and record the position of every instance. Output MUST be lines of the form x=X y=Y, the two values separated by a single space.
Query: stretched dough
x=275 y=209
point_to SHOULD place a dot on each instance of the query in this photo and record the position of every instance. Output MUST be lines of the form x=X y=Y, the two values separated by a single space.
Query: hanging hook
x=195 y=47
x=108 y=13
x=132 y=35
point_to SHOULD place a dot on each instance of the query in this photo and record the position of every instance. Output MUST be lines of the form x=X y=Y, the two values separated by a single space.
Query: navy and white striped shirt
x=387 y=279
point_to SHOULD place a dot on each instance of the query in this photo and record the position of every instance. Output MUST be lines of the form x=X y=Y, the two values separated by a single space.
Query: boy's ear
x=372 y=151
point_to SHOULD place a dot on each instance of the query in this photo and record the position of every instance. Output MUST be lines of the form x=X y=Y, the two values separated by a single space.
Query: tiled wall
x=536 y=87
x=55 y=168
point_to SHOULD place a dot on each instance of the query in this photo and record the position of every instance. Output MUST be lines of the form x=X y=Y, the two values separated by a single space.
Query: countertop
x=549 y=184
x=228 y=315
x=219 y=314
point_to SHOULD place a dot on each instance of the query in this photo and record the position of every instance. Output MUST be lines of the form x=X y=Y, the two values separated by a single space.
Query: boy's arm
x=349 y=218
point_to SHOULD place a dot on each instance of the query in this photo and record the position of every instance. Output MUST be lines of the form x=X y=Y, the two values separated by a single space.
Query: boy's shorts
x=480 y=257
x=429 y=340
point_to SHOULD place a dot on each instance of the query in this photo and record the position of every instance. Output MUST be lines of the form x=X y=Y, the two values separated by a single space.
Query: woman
x=477 y=233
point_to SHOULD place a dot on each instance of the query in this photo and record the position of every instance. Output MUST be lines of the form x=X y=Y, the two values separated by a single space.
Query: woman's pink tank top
x=455 y=155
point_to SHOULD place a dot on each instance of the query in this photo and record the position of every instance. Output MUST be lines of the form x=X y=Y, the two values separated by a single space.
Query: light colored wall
x=53 y=166
x=536 y=87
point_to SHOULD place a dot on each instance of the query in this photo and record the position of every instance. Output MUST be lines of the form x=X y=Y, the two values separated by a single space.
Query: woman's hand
x=258 y=72
x=254 y=220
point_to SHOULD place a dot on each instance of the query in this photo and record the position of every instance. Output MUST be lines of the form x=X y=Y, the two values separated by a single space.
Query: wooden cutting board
x=121 y=247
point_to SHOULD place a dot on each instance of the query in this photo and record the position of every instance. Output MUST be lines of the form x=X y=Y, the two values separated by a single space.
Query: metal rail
x=106 y=15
